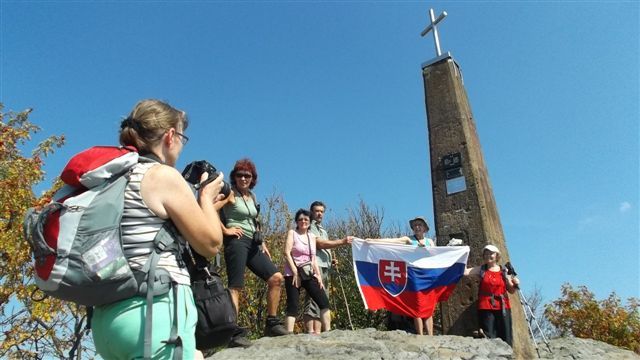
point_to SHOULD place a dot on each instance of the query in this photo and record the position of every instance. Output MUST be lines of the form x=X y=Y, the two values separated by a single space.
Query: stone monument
x=463 y=200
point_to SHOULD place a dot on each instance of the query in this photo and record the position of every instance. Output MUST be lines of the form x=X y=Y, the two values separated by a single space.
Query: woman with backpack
x=156 y=194
x=244 y=247
x=494 y=309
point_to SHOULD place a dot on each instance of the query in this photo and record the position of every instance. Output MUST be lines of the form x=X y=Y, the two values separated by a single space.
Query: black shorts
x=241 y=253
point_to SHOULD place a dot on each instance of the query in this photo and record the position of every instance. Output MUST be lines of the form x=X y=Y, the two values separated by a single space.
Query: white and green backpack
x=76 y=238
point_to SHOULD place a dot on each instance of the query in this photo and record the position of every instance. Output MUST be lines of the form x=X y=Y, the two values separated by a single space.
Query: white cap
x=491 y=248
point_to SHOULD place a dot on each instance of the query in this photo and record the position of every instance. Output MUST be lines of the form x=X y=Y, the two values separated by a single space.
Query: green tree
x=29 y=329
x=578 y=313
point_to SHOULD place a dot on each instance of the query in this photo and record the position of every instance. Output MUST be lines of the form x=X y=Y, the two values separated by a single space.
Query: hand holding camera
x=194 y=171
x=511 y=271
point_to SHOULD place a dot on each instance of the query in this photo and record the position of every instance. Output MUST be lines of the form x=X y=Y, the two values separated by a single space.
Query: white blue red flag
x=405 y=279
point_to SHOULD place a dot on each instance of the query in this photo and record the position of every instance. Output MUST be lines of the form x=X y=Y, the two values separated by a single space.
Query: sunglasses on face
x=244 y=175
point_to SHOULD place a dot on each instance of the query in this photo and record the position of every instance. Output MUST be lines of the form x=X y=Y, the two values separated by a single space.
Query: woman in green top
x=243 y=245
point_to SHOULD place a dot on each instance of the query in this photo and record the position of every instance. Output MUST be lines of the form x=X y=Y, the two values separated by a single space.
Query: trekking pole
x=532 y=315
x=528 y=313
x=344 y=296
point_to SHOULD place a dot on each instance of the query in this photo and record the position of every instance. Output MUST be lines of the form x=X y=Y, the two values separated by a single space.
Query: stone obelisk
x=463 y=200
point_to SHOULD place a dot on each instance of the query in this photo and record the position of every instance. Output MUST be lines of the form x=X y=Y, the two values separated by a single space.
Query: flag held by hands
x=404 y=279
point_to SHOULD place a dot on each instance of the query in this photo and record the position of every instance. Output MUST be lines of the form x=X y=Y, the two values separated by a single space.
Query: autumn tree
x=578 y=313
x=29 y=329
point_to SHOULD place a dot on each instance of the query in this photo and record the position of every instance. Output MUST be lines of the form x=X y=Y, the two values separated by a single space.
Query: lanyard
x=249 y=212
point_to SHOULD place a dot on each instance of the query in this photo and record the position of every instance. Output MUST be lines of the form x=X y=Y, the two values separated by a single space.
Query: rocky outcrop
x=398 y=345
x=576 y=348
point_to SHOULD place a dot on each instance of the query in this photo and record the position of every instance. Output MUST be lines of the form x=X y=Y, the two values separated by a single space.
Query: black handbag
x=217 y=316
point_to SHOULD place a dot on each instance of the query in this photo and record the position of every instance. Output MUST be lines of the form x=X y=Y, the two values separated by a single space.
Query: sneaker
x=274 y=327
x=239 y=341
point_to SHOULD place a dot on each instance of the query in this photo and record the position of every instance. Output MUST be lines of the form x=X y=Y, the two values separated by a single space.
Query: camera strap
x=309 y=245
x=254 y=220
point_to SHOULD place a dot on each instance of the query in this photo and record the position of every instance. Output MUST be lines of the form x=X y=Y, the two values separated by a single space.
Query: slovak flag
x=405 y=279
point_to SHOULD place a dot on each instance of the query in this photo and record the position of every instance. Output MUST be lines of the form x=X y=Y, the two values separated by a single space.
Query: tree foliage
x=578 y=313
x=29 y=329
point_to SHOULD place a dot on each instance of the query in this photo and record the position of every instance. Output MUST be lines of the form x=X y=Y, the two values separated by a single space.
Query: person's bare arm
x=288 y=246
x=472 y=271
x=331 y=244
x=513 y=284
x=168 y=195
x=400 y=240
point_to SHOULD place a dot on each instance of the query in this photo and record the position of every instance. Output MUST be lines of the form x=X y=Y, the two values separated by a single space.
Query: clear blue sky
x=328 y=99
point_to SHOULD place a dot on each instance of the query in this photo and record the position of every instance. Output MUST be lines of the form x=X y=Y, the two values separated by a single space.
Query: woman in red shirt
x=494 y=309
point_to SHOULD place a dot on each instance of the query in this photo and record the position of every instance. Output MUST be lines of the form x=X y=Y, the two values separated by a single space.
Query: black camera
x=193 y=172
x=257 y=237
x=510 y=269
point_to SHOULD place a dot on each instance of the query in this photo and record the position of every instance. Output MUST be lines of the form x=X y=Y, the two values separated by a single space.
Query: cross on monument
x=433 y=27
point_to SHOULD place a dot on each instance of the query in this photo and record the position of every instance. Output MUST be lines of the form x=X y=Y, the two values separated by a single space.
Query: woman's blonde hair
x=147 y=122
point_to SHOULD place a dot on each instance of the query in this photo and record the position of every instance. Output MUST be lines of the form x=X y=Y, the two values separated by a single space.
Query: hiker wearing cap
x=420 y=228
x=494 y=309
x=418 y=239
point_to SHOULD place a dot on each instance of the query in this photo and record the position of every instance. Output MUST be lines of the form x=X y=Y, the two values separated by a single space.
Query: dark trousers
x=313 y=289
x=495 y=324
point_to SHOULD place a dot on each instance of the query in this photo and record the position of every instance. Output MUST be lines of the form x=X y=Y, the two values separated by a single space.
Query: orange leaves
x=25 y=325
x=578 y=313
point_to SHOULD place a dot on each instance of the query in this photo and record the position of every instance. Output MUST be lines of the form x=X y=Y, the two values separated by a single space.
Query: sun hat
x=419 y=218
x=491 y=248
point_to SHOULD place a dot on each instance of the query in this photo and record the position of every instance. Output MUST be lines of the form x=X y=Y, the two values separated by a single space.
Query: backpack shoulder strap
x=255 y=201
x=483 y=270
x=166 y=239
x=503 y=270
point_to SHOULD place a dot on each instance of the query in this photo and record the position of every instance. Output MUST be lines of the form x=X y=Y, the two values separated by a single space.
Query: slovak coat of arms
x=393 y=276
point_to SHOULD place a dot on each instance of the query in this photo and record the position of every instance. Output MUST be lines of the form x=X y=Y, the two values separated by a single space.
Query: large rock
x=576 y=348
x=398 y=345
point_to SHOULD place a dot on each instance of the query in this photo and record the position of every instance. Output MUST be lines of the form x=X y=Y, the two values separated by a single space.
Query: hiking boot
x=274 y=327
x=239 y=341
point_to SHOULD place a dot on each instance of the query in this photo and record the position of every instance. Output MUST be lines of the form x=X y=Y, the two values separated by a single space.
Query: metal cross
x=433 y=27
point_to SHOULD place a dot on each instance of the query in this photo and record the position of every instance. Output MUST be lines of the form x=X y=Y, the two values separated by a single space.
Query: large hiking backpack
x=76 y=238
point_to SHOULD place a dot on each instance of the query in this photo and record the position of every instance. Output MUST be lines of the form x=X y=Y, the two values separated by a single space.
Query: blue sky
x=327 y=98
